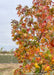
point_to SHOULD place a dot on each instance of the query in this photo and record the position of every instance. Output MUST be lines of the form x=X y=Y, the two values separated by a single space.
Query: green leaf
x=31 y=19
x=37 y=44
x=38 y=14
x=33 y=60
x=25 y=44
x=37 y=71
x=20 y=23
x=45 y=39
x=35 y=38
x=26 y=13
x=46 y=57
x=48 y=52
x=23 y=30
x=33 y=7
x=24 y=63
x=40 y=67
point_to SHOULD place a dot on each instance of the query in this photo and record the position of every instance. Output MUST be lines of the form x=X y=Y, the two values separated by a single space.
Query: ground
x=8 y=69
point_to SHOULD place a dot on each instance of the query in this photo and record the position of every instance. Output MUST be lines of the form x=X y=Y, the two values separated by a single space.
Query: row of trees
x=2 y=50
x=34 y=33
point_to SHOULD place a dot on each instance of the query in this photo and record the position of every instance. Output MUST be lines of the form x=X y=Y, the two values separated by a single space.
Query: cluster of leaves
x=34 y=33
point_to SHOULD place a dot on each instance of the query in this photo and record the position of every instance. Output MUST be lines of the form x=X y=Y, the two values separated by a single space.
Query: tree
x=1 y=49
x=34 y=33
x=11 y=51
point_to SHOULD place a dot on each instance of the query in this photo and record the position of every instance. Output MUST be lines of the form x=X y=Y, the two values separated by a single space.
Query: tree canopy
x=34 y=33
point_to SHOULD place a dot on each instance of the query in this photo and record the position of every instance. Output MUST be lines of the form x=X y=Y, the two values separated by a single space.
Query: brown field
x=8 y=69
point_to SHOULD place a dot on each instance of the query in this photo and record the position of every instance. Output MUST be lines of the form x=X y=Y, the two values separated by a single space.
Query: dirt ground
x=8 y=69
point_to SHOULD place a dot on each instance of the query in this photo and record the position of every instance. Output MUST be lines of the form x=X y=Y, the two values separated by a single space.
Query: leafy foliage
x=34 y=33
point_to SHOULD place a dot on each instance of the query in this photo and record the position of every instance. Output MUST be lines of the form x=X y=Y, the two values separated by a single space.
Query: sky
x=7 y=13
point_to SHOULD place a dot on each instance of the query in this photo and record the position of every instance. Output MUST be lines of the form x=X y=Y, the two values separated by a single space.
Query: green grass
x=0 y=73
x=8 y=59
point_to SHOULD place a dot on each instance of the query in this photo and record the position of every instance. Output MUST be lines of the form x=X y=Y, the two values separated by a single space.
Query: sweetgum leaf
x=25 y=44
x=33 y=60
x=35 y=38
x=40 y=67
x=37 y=70
x=23 y=30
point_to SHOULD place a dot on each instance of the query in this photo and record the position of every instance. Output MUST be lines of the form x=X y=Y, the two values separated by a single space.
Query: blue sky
x=8 y=12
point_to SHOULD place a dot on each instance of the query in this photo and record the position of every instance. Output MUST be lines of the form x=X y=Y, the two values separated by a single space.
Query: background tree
x=34 y=33
x=12 y=50
x=1 y=49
